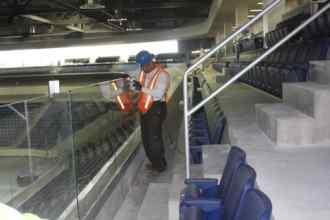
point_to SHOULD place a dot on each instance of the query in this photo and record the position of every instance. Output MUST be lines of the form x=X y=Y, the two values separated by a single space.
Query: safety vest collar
x=152 y=82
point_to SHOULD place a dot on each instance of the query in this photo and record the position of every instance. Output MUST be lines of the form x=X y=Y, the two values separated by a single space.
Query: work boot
x=149 y=166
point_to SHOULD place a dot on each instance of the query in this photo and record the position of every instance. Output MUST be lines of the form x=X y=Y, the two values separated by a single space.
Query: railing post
x=186 y=124
x=200 y=61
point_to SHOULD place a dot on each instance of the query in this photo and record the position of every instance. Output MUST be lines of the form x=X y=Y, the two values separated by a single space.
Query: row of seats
x=288 y=64
x=206 y=125
x=319 y=28
x=253 y=43
x=285 y=27
x=233 y=198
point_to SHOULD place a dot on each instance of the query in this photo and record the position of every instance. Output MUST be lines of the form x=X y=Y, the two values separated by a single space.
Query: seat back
x=235 y=158
x=192 y=213
x=255 y=206
x=243 y=180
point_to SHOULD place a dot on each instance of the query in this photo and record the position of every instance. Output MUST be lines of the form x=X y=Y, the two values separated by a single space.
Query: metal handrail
x=187 y=112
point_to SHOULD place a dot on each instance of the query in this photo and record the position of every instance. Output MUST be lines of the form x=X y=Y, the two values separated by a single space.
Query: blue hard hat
x=144 y=57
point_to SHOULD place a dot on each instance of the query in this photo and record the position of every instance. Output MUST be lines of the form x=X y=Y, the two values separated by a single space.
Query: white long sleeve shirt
x=161 y=86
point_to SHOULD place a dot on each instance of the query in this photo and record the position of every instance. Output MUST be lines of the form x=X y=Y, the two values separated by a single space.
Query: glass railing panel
x=103 y=120
x=11 y=123
x=39 y=151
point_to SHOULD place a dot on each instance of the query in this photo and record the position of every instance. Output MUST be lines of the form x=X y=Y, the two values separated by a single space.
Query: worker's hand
x=137 y=85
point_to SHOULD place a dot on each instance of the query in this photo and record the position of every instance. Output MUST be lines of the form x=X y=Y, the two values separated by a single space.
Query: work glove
x=137 y=85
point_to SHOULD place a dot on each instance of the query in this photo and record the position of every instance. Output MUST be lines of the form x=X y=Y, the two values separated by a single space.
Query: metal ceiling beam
x=78 y=10
x=4 y=12
x=47 y=21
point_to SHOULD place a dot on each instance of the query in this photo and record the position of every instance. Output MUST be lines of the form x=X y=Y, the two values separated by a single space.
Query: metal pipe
x=200 y=61
x=28 y=138
x=259 y=59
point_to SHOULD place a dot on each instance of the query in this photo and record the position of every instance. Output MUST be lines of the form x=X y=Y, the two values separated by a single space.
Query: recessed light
x=255 y=10
x=260 y=3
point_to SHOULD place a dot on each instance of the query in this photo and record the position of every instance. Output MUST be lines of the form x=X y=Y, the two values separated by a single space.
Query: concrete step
x=134 y=199
x=155 y=203
x=177 y=185
x=285 y=125
x=311 y=98
x=320 y=71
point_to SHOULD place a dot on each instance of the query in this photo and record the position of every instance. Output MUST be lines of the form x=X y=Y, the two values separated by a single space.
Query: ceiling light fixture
x=255 y=10
x=251 y=16
x=134 y=29
x=260 y=3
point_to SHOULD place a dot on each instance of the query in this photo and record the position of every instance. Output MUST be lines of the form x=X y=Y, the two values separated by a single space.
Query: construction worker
x=153 y=84
x=8 y=213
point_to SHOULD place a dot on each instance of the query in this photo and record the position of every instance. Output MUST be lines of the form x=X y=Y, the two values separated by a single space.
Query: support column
x=274 y=17
x=227 y=29
x=218 y=38
x=241 y=13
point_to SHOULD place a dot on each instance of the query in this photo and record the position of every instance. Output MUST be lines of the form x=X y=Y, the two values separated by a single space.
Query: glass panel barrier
x=12 y=123
x=59 y=154
x=103 y=119
x=37 y=156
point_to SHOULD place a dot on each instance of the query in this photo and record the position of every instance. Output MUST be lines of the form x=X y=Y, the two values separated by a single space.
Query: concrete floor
x=296 y=178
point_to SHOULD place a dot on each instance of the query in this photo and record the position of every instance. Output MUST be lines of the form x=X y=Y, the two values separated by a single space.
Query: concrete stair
x=284 y=124
x=303 y=117
x=155 y=203
x=311 y=98
x=319 y=72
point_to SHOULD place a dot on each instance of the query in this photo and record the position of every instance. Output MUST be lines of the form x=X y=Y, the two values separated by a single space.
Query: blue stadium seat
x=209 y=188
x=255 y=205
x=226 y=208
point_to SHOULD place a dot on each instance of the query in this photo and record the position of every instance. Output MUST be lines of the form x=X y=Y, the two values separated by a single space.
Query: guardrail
x=189 y=112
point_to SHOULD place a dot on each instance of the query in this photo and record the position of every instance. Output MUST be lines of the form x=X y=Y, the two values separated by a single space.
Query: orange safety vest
x=124 y=99
x=145 y=101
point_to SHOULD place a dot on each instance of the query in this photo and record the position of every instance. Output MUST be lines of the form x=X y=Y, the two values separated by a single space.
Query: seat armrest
x=206 y=205
x=202 y=183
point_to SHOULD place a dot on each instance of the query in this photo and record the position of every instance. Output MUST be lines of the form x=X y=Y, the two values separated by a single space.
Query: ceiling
x=28 y=24
x=61 y=17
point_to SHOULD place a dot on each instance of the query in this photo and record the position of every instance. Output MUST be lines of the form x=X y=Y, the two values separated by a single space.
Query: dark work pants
x=151 y=129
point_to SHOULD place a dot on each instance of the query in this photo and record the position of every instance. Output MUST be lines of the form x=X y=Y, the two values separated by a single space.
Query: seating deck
x=296 y=179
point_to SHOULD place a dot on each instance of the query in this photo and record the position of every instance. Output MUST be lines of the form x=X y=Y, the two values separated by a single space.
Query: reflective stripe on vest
x=118 y=97
x=123 y=99
x=146 y=101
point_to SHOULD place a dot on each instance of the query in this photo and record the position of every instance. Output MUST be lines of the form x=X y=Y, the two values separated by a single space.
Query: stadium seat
x=210 y=188
x=255 y=205
x=226 y=208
